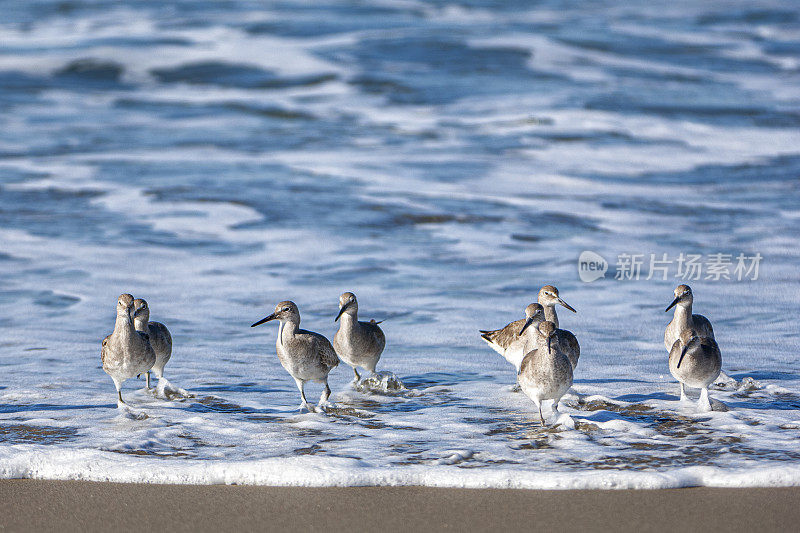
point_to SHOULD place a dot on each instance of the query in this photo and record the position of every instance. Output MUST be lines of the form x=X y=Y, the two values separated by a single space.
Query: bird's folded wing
x=327 y=354
x=505 y=336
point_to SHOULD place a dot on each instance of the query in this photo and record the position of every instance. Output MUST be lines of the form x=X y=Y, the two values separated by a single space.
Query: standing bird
x=306 y=356
x=357 y=343
x=160 y=339
x=695 y=361
x=545 y=373
x=684 y=319
x=517 y=338
x=548 y=297
x=126 y=352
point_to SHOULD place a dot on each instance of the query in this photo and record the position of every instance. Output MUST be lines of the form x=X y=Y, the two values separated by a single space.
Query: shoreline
x=29 y=504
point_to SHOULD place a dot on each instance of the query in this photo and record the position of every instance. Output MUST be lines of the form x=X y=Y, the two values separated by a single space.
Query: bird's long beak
x=670 y=306
x=565 y=304
x=683 y=351
x=138 y=312
x=527 y=323
x=341 y=310
x=548 y=343
x=265 y=319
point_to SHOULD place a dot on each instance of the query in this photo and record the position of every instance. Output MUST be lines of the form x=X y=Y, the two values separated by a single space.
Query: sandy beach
x=33 y=505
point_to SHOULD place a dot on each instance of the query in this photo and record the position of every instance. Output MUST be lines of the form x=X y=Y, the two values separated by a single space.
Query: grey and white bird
x=160 y=338
x=306 y=356
x=545 y=373
x=126 y=352
x=549 y=298
x=695 y=361
x=683 y=318
x=359 y=344
x=517 y=338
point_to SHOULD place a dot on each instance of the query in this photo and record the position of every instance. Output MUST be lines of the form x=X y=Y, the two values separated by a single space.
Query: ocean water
x=442 y=160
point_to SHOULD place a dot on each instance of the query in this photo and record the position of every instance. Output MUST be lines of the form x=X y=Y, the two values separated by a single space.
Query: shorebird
x=684 y=319
x=548 y=298
x=306 y=356
x=545 y=373
x=159 y=336
x=517 y=338
x=695 y=361
x=359 y=344
x=126 y=352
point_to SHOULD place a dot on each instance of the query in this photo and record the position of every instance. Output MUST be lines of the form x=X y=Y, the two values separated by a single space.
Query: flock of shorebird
x=544 y=356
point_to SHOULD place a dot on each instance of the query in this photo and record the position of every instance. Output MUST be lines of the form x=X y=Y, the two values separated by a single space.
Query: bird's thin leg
x=148 y=379
x=358 y=378
x=327 y=393
x=684 y=397
x=323 y=400
x=301 y=385
x=120 y=401
x=541 y=416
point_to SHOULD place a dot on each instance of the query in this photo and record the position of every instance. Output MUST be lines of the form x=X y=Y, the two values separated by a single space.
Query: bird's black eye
x=285 y=310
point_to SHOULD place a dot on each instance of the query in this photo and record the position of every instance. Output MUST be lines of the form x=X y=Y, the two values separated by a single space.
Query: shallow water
x=442 y=160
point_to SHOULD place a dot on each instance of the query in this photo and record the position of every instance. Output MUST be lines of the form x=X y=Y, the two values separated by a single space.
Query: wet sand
x=87 y=506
